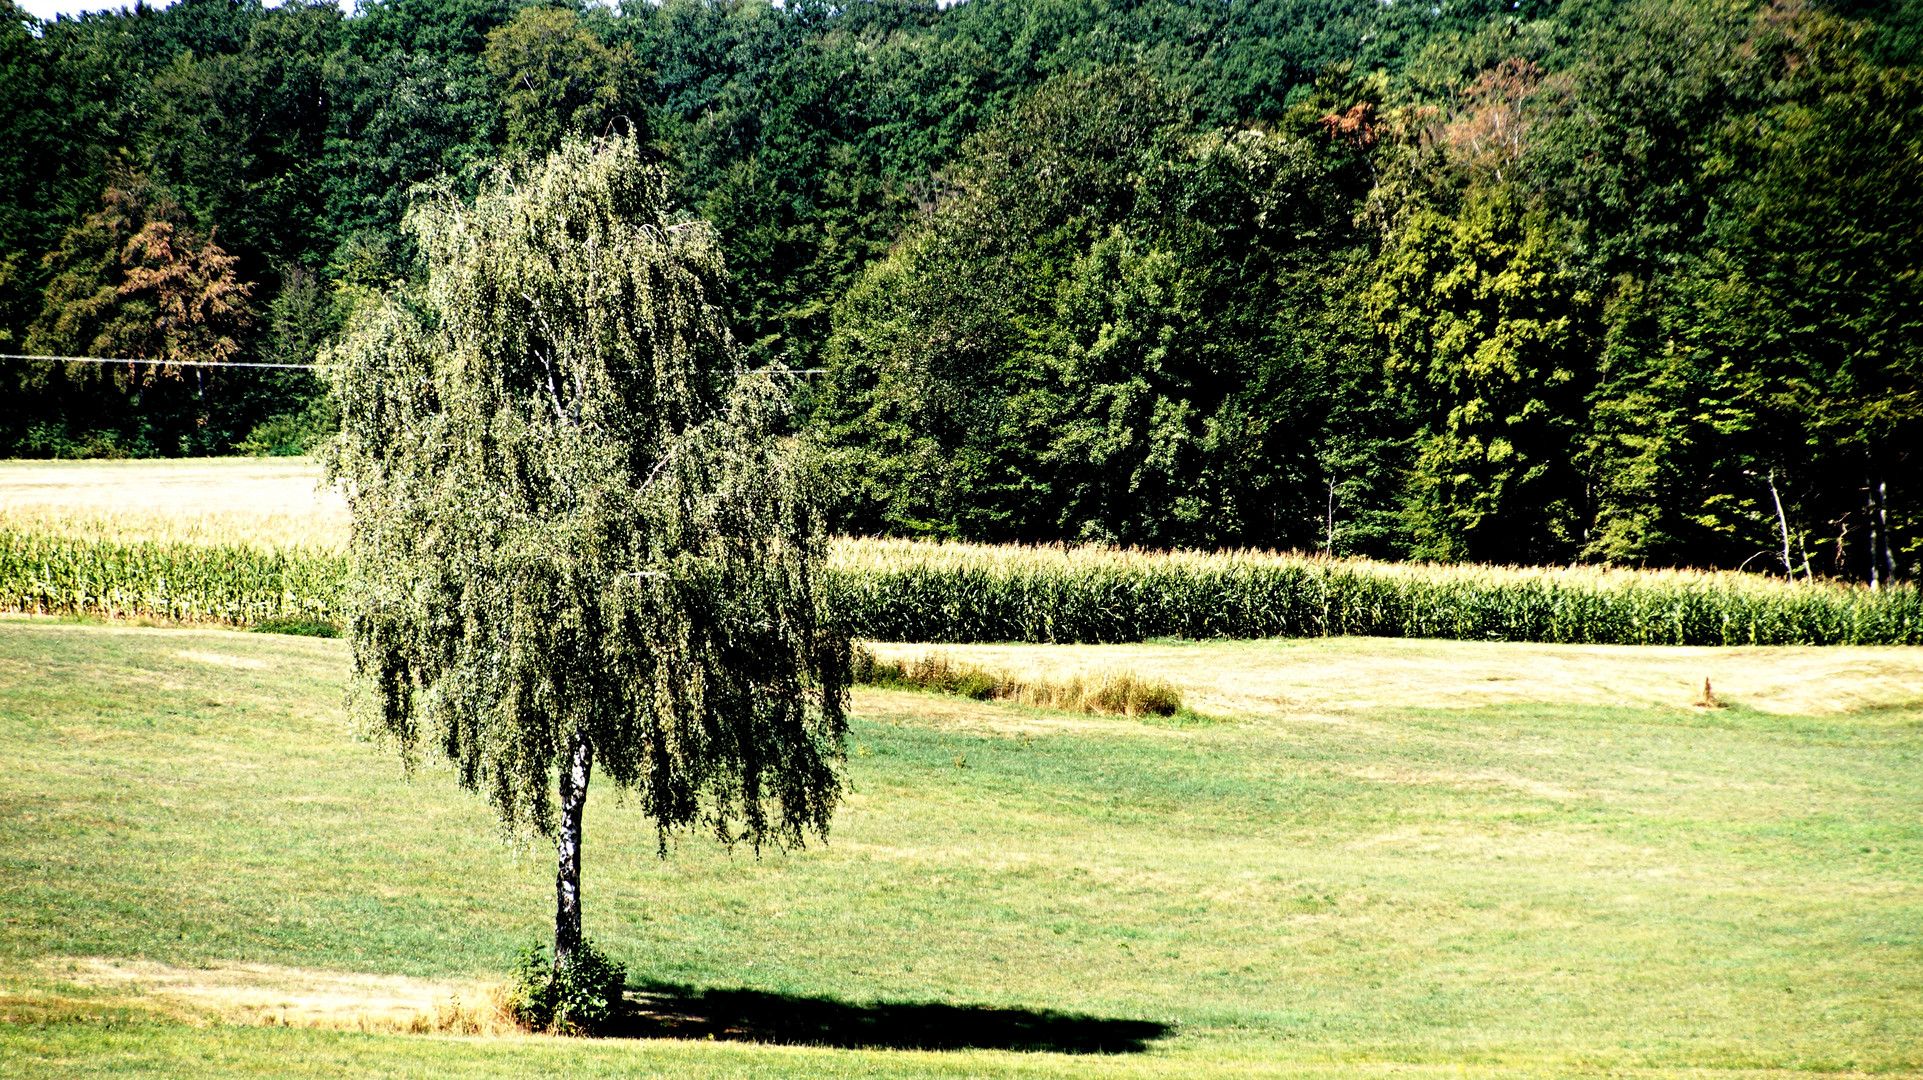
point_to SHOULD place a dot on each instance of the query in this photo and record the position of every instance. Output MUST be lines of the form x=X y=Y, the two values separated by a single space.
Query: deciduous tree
x=577 y=539
x=555 y=77
x=1485 y=330
x=133 y=281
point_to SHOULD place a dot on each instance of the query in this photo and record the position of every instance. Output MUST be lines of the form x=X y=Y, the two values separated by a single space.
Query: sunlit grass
x=1521 y=888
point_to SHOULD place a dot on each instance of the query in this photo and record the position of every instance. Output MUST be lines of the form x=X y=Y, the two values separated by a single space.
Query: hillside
x=1622 y=281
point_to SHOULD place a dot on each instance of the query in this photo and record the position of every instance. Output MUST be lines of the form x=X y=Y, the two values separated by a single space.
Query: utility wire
x=237 y=363
x=170 y=363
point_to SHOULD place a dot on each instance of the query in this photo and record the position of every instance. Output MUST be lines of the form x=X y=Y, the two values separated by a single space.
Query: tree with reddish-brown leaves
x=132 y=281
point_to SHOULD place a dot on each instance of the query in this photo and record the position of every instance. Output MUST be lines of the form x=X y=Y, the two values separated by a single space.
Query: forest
x=1625 y=282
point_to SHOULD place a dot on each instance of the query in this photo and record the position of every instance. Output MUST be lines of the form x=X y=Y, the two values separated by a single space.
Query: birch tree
x=577 y=538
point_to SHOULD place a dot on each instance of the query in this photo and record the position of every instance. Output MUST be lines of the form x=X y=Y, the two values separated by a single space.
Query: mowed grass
x=1516 y=888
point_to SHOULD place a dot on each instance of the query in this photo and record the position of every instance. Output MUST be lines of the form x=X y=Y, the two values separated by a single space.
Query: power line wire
x=170 y=363
x=238 y=363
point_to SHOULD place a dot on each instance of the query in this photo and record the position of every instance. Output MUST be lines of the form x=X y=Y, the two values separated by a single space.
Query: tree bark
x=1883 y=528
x=567 y=879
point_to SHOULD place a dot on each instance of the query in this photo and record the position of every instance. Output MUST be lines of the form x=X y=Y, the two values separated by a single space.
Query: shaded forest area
x=1625 y=281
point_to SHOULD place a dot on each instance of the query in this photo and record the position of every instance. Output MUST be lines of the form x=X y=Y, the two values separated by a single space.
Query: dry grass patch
x=248 y=487
x=262 y=532
x=1313 y=678
x=947 y=713
x=276 y=502
x=1464 y=780
x=276 y=996
x=1109 y=692
x=221 y=659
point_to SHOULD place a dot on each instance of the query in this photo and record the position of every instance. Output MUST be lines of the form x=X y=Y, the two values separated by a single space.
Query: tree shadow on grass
x=666 y=1011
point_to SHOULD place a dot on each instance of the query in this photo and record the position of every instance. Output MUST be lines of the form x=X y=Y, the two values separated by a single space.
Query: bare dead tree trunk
x=567 y=879
x=1882 y=560
x=1329 y=543
x=1782 y=522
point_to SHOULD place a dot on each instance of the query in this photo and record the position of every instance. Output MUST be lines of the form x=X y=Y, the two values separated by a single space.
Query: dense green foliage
x=1637 y=282
x=912 y=592
x=579 y=998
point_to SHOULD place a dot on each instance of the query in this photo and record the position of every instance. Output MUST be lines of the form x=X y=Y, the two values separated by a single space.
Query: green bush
x=975 y=684
x=531 y=989
x=292 y=434
x=580 y=997
x=302 y=625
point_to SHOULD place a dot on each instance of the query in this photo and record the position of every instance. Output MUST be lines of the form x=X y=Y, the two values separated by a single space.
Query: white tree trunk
x=1782 y=522
x=567 y=879
x=1882 y=560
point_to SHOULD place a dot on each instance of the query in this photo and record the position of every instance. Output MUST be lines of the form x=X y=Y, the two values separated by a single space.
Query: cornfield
x=886 y=590
x=959 y=593
x=177 y=581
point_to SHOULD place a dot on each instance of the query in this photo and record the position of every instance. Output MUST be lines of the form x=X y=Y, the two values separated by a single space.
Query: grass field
x=1567 y=870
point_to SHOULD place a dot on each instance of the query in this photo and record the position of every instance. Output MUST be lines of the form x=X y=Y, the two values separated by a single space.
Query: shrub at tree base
x=298 y=625
x=580 y=997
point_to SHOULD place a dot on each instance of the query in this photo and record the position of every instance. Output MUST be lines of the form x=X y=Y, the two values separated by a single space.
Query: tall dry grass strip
x=1114 y=693
x=268 y=532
